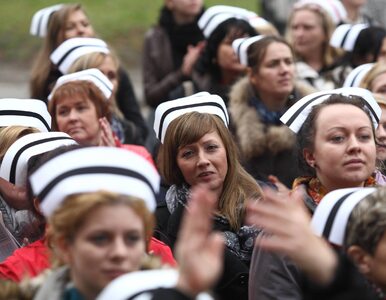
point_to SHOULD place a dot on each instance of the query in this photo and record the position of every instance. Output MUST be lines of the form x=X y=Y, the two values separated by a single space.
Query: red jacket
x=34 y=258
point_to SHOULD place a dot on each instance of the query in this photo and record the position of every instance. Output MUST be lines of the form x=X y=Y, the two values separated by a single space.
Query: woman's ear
x=63 y=250
x=361 y=258
x=309 y=157
x=250 y=74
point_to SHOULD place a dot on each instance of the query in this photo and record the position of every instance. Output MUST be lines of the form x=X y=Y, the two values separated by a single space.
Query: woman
x=218 y=67
x=329 y=274
x=101 y=226
x=309 y=29
x=197 y=149
x=79 y=107
x=362 y=45
x=258 y=100
x=335 y=153
x=374 y=79
x=171 y=49
x=70 y=21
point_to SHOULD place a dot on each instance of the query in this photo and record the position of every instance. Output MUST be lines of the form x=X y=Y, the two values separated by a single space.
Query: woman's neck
x=182 y=19
x=333 y=185
x=352 y=13
x=314 y=60
x=273 y=102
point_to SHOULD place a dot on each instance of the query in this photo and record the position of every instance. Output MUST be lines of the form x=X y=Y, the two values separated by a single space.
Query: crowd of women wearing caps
x=257 y=175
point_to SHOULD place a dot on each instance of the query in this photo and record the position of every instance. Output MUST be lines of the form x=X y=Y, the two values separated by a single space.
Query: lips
x=355 y=161
x=114 y=273
x=205 y=174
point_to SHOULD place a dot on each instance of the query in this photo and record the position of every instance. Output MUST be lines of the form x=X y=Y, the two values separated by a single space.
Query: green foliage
x=122 y=23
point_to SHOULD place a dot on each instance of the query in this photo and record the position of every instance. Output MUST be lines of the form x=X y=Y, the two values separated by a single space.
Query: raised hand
x=199 y=249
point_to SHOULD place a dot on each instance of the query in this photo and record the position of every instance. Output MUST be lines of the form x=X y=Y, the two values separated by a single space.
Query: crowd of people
x=259 y=172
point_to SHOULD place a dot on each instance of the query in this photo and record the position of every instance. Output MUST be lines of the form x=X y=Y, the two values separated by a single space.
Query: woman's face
x=226 y=57
x=77 y=117
x=78 y=25
x=344 y=151
x=379 y=84
x=380 y=134
x=307 y=32
x=275 y=76
x=204 y=162
x=382 y=52
x=185 y=8
x=377 y=264
x=110 y=69
x=111 y=242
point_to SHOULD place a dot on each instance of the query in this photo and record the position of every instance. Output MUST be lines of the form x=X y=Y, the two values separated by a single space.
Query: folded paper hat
x=240 y=47
x=72 y=49
x=216 y=15
x=93 y=169
x=334 y=8
x=14 y=166
x=332 y=214
x=346 y=35
x=202 y=102
x=93 y=75
x=297 y=114
x=130 y=285
x=354 y=78
x=40 y=19
x=25 y=112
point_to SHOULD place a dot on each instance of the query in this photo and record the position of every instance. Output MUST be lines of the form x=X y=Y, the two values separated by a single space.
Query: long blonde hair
x=10 y=134
x=43 y=68
x=330 y=53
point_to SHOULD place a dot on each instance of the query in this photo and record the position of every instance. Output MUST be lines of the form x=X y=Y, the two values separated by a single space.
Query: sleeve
x=128 y=104
x=348 y=283
x=273 y=276
x=157 y=80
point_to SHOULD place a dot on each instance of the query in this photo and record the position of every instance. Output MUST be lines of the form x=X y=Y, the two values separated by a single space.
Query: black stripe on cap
x=73 y=49
x=101 y=81
x=170 y=110
x=345 y=37
x=12 y=173
x=93 y=170
x=26 y=114
x=39 y=25
x=299 y=111
x=332 y=215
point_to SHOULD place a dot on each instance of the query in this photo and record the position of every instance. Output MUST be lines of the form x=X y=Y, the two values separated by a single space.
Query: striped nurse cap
x=72 y=49
x=202 y=102
x=40 y=19
x=25 y=112
x=345 y=36
x=332 y=214
x=93 y=169
x=93 y=75
x=240 y=47
x=15 y=162
x=297 y=114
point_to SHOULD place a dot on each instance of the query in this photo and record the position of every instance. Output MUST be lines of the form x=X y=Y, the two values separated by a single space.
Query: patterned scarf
x=315 y=188
x=240 y=243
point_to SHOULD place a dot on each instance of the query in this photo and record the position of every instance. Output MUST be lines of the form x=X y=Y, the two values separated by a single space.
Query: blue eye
x=337 y=139
x=132 y=239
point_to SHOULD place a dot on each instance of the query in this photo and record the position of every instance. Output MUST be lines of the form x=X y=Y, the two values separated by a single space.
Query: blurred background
x=122 y=23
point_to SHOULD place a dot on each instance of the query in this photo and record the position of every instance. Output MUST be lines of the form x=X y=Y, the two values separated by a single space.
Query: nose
x=354 y=145
x=80 y=29
x=381 y=132
x=118 y=249
x=202 y=159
